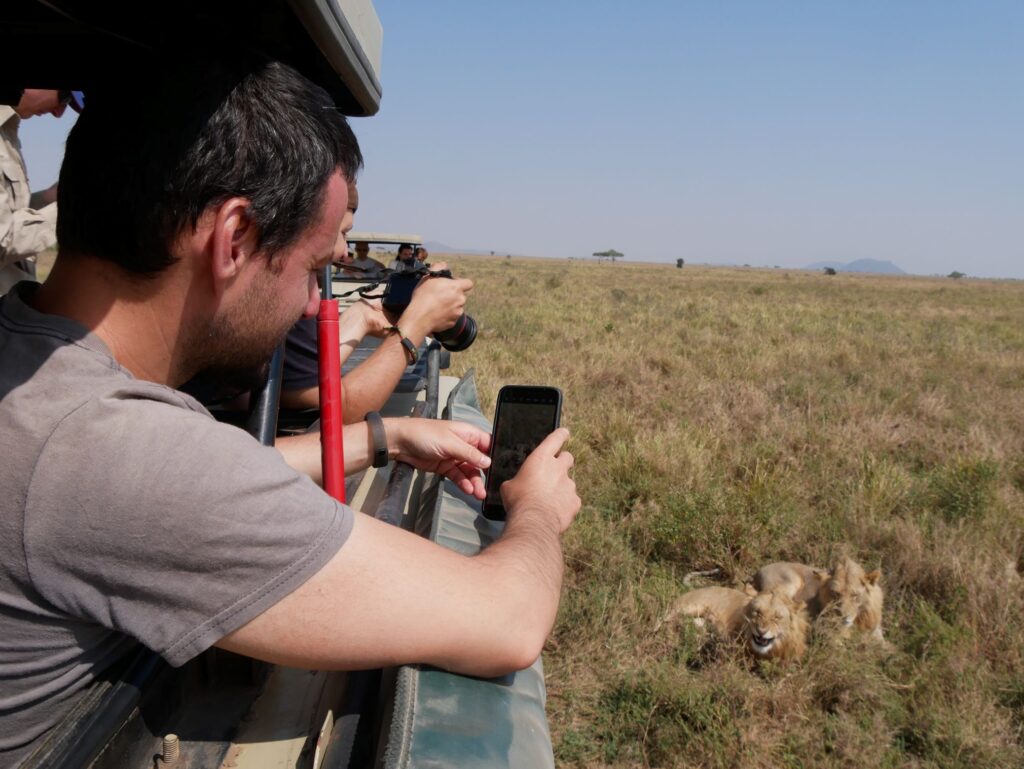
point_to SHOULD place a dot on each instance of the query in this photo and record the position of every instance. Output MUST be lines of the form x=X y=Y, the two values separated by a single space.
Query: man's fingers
x=466 y=477
x=461 y=451
x=566 y=459
x=551 y=445
x=473 y=435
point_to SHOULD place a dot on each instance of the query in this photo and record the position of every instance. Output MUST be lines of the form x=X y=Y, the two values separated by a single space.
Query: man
x=27 y=222
x=436 y=306
x=128 y=514
x=406 y=261
x=370 y=267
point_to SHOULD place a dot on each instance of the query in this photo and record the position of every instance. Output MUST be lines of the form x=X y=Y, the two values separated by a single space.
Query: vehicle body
x=221 y=709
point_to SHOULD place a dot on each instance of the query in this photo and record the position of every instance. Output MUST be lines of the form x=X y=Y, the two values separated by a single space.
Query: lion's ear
x=872 y=577
x=822 y=575
x=749 y=590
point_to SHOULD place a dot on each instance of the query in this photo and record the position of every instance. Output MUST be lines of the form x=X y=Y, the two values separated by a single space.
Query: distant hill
x=860 y=265
x=443 y=248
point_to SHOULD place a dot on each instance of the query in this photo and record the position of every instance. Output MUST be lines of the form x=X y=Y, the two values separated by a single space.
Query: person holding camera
x=436 y=305
x=131 y=517
x=405 y=261
x=368 y=267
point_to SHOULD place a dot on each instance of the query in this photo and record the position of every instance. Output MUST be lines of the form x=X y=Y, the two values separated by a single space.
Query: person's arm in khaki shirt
x=24 y=232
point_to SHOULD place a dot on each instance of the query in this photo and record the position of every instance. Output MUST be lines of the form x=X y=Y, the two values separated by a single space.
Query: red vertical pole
x=331 y=441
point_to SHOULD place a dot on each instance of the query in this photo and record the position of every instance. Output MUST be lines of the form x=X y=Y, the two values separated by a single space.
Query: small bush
x=964 y=488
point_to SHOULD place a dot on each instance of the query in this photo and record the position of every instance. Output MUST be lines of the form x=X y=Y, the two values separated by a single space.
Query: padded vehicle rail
x=443 y=719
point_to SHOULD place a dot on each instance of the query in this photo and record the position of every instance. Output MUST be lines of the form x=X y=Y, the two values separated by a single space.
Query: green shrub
x=964 y=488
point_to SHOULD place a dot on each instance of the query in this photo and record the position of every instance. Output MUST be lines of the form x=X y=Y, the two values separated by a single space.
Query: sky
x=780 y=133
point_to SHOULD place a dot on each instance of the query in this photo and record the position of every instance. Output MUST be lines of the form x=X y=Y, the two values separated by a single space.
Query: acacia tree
x=611 y=253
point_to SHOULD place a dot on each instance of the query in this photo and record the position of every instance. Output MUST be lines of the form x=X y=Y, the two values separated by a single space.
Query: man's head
x=362 y=250
x=227 y=181
x=140 y=171
x=405 y=252
x=37 y=101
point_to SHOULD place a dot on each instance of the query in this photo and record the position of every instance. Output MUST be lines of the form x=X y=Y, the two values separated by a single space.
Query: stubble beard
x=235 y=349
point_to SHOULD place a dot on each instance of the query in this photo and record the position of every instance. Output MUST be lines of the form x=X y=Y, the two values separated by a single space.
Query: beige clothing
x=24 y=231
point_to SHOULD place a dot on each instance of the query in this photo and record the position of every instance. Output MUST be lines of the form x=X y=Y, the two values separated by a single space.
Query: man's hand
x=436 y=304
x=456 y=450
x=543 y=483
x=369 y=315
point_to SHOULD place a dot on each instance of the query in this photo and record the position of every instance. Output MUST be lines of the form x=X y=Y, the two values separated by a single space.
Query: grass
x=733 y=417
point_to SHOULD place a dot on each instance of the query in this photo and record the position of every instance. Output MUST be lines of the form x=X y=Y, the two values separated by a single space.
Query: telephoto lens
x=458 y=337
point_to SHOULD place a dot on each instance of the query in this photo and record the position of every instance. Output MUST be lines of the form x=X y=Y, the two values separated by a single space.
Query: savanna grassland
x=727 y=418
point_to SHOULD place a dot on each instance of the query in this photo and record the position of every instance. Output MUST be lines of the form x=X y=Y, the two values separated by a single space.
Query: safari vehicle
x=224 y=710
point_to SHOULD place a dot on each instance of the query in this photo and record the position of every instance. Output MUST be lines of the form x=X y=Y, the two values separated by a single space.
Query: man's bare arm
x=356 y=322
x=456 y=450
x=389 y=597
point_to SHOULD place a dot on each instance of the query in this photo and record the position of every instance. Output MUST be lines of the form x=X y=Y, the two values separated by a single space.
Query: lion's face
x=775 y=626
x=857 y=594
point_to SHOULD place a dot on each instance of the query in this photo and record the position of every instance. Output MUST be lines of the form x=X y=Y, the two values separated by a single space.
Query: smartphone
x=525 y=415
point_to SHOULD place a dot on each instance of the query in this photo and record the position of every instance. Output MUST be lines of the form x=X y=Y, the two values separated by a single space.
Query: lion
x=720 y=607
x=857 y=595
x=776 y=626
x=799 y=582
x=771 y=624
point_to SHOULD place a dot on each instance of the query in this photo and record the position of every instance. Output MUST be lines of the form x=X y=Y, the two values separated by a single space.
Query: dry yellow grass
x=732 y=417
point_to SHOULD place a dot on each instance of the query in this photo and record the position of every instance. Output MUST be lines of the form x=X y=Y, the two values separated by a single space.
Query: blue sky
x=730 y=132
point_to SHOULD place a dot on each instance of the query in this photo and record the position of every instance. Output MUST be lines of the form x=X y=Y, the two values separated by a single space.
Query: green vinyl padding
x=445 y=720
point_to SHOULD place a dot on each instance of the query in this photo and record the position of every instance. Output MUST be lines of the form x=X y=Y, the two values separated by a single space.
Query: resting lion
x=771 y=624
x=857 y=595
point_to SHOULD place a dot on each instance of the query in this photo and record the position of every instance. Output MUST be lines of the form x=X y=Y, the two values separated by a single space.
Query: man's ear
x=233 y=239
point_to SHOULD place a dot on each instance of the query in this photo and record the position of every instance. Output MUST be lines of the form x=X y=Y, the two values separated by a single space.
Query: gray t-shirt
x=127 y=515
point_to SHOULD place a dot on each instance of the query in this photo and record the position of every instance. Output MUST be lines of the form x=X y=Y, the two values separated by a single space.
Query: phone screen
x=524 y=417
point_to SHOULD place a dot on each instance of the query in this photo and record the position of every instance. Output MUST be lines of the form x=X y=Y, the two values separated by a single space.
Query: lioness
x=857 y=595
x=721 y=607
x=799 y=582
x=771 y=624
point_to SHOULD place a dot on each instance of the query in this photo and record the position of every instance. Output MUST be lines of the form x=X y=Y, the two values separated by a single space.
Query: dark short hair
x=146 y=159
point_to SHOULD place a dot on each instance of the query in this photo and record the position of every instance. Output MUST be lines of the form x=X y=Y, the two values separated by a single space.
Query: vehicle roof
x=384 y=237
x=78 y=44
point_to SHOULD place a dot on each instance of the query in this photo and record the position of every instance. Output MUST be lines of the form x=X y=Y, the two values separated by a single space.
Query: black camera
x=398 y=294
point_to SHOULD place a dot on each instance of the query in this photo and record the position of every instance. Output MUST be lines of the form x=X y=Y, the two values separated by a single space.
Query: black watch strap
x=411 y=353
x=380 y=439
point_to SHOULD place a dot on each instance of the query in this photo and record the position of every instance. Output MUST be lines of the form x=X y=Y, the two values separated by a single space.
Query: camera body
x=398 y=294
